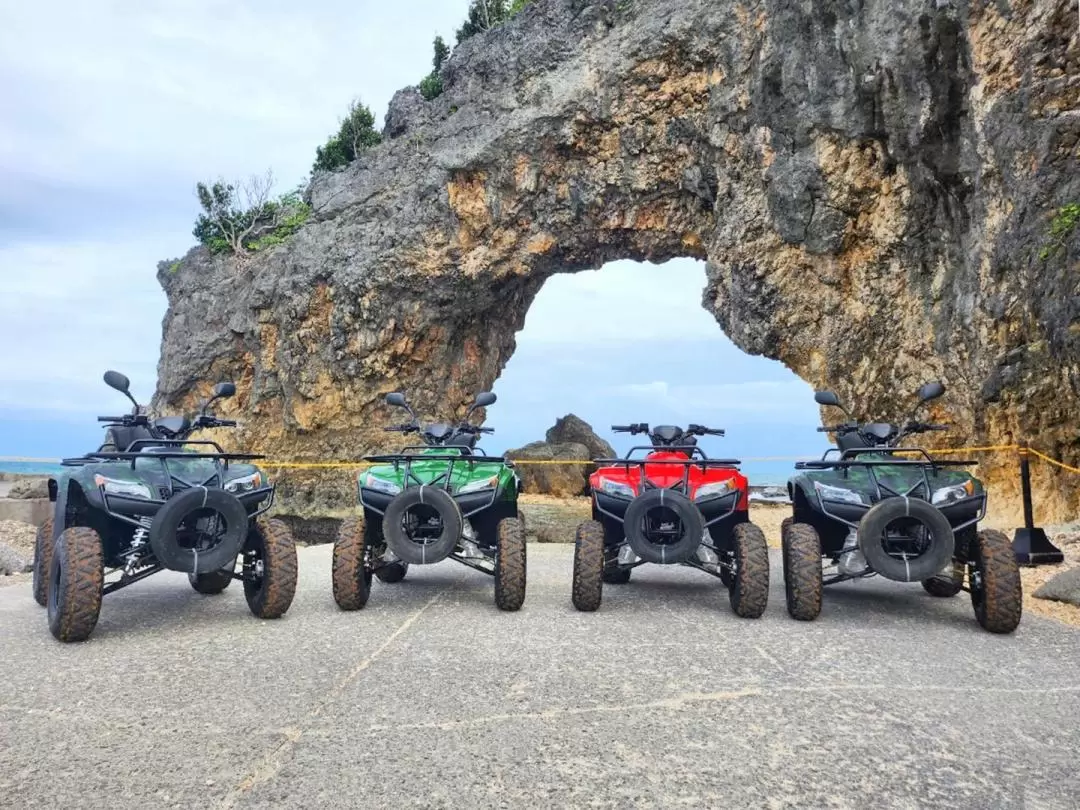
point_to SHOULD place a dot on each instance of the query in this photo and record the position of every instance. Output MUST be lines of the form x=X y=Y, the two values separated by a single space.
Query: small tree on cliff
x=242 y=216
x=483 y=16
x=356 y=134
x=431 y=86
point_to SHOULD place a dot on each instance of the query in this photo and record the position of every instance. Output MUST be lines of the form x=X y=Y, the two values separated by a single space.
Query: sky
x=113 y=111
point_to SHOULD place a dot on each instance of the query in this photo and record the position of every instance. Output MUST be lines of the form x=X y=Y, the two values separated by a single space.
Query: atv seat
x=124 y=437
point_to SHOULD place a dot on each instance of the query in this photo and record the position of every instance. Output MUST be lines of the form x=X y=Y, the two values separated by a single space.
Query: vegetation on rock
x=1062 y=226
x=243 y=217
x=356 y=134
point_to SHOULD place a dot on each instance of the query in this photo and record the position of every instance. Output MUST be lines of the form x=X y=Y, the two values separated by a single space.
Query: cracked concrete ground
x=430 y=697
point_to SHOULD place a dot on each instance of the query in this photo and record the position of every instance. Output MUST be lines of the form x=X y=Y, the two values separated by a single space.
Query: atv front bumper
x=712 y=509
x=130 y=509
x=960 y=513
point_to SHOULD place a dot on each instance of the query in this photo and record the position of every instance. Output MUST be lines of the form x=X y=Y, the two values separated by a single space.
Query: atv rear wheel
x=76 y=580
x=212 y=583
x=588 y=583
x=392 y=572
x=351 y=577
x=749 y=592
x=510 y=565
x=801 y=551
x=43 y=551
x=996 y=590
x=946 y=584
x=269 y=569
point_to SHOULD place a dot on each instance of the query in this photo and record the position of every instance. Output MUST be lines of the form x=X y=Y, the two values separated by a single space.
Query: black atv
x=869 y=507
x=152 y=499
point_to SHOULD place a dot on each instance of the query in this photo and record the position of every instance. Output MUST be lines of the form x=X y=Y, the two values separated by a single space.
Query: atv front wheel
x=269 y=569
x=588 y=583
x=213 y=582
x=510 y=565
x=351 y=578
x=996 y=590
x=76 y=580
x=43 y=551
x=801 y=551
x=392 y=572
x=749 y=593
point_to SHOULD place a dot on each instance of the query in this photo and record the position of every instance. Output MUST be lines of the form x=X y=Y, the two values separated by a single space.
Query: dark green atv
x=151 y=499
x=444 y=499
x=871 y=508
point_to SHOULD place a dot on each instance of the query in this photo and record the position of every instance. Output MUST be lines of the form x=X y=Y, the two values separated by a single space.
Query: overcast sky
x=112 y=111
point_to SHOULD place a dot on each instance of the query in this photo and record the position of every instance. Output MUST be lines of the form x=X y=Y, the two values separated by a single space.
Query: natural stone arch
x=861 y=179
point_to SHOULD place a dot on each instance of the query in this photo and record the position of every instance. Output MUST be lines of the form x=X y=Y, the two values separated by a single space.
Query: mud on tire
x=749 y=592
x=510 y=565
x=43 y=551
x=588 y=585
x=271 y=543
x=996 y=590
x=801 y=552
x=76 y=579
x=351 y=578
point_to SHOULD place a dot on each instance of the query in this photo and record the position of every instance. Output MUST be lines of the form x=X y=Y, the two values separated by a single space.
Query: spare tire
x=180 y=517
x=425 y=540
x=663 y=505
x=913 y=569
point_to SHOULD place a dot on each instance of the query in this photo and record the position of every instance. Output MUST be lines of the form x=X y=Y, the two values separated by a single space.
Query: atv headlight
x=616 y=488
x=377 y=484
x=828 y=493
x=476 y=486
x=245 y=484
x=953 y=493
x=129 y=489
x=713 y=490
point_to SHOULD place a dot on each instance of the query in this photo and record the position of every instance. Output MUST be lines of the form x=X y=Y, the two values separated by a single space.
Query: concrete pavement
x=430 y=697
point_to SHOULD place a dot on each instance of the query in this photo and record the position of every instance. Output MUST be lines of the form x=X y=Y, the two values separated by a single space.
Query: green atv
x=150 y=499
x=871 y=508
x=443 y=499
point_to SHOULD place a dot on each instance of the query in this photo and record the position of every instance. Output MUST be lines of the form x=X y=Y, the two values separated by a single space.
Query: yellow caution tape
x=1055 y=462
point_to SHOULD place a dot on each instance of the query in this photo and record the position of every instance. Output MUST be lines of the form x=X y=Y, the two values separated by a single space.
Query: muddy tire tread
x=82 y=579
x=274 y=598
x=510 y=565
x=749 y=593
x=1003 y=598
x=588 y=585
x=352 y=584
x=801 y=550
x=43 y=551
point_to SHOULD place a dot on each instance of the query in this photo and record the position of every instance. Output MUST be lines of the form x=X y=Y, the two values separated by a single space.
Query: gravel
x=16 y=548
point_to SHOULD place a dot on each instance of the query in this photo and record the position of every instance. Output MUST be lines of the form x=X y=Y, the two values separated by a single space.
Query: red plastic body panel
x=667 y=475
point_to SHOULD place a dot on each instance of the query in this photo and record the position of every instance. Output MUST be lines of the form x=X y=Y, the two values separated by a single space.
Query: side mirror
x=484 y=399
x=224 y=390
x=826 y=398
x=397 y=400
x=932 y=390
x=116 y=380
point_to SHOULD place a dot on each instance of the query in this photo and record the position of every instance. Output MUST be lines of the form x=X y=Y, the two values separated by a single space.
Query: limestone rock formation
x=561 y=480
x=573 y=429
x=870 y=183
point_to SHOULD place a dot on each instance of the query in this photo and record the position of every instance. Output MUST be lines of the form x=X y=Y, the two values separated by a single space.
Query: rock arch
x=869 y=183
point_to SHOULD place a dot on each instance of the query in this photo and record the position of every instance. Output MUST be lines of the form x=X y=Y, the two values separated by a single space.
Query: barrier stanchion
x=1030 y=544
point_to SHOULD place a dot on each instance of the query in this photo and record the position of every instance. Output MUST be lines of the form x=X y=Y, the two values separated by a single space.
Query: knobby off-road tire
x=351 y=580
x=998 y=599
x=945 y=587
x=214 y=582
x=801 y=552
x=76 y=579
x=392 y=572
x=588 y=583
x=43 y=551
x=749 y=592
x=273 y=543
x=510 y=565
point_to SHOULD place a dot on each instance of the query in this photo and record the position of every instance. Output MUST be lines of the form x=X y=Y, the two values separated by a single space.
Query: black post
x=1031 y=545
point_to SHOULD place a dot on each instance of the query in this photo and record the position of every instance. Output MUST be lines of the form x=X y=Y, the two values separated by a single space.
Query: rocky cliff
x=870 y=182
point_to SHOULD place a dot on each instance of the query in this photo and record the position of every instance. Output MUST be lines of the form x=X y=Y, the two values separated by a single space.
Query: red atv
x=674 y=506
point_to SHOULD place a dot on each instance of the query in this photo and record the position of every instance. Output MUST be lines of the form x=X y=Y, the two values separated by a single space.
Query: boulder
x=1065 y=587
x=12 y=562
x=560 y=480
x=574 y=430
x=30 y=488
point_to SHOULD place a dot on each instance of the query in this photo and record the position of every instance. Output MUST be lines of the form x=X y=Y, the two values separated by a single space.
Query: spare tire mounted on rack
x=663 y=526
x=422 y=525
x=199 y=531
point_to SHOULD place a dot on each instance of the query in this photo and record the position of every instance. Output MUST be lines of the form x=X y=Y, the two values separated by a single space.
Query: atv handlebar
x=701 y=430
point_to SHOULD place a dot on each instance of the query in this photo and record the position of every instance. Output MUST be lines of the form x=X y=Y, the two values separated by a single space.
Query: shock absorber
x=138 y=540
